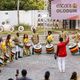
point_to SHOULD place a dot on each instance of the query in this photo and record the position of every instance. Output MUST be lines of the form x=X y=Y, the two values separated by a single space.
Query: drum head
x=72 y=45
x=7 y=55
x=27 y=44
x=49 y=45
x=13 y=50
x=1 y=58
x=37 y=46
x=79 y=44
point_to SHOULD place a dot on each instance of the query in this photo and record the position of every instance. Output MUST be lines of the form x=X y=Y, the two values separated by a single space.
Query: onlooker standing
x=47 y=75
x=24 y=73
x=10 y=79
x=74 y=76
x=61 y=53
x=57 y=24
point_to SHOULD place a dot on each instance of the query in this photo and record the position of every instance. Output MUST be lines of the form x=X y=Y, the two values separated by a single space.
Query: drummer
x=0 y=46
x=63 y=35
x=35 y=39
x=25 y=42
x=4 y=50
x=17 y=42
x=76 y=37
x=1 y=51
x=49 y=37
x=9 y=45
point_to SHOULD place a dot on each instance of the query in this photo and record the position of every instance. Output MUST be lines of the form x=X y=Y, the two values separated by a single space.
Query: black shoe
x=0 y=71
x=16 y=58
x=19 y=57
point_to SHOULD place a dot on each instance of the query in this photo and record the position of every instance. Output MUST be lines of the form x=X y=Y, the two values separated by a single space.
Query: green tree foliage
x=24 y=4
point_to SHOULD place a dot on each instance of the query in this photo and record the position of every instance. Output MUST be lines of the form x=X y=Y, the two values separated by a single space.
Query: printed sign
x=65 y=9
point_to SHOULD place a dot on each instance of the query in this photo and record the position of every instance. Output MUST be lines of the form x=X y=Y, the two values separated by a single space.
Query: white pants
x=17 y=48
x=61 y=64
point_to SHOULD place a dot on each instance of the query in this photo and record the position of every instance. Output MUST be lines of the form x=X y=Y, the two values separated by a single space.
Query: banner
x=65 y=9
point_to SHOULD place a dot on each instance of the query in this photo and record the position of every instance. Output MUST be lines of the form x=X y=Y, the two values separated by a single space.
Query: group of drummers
x=10 y=48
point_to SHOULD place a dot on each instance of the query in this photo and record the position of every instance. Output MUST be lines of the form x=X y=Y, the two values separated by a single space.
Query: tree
x=24 y=4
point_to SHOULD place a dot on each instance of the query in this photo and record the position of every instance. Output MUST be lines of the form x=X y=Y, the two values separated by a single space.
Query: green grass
x=39 y=31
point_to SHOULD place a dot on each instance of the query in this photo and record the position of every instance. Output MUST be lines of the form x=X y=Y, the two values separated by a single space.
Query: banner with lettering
x=65 y=9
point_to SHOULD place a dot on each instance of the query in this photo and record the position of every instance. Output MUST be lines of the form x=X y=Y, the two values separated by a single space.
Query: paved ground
x=38 y=64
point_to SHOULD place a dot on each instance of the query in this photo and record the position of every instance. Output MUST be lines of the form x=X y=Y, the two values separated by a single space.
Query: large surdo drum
x=49 y=48
x=28 y=45
x=37 y=48
x=73 y=48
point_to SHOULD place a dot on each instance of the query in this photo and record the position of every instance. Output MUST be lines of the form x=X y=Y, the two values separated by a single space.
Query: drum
x=6 y=56
x=73 y=48
x=79 y=46
x=49 y=48
x=1 y=60
x=27 y=45
x=37 y=48
x=20 y=45
x=13 y=51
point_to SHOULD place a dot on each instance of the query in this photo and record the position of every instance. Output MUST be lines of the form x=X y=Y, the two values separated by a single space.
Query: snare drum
x=37 y=48
x=73 y=48
x=49 y=48
x=27 y=45
x=20 y=45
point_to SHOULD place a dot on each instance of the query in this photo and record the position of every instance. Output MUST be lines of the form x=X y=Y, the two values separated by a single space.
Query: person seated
x=24 y=73
x=47 y=75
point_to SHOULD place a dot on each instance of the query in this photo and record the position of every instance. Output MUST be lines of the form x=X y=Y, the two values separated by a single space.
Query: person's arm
x=67 y=41
x=38 y=38
x=57 y=50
